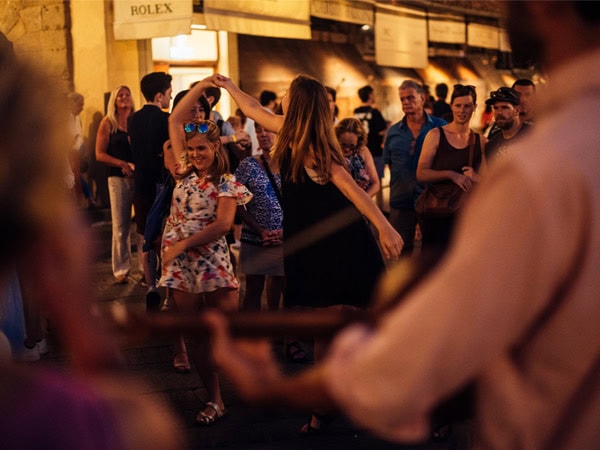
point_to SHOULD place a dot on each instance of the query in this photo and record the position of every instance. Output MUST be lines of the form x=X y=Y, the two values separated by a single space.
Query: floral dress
x=358 y=170
x=204 y=268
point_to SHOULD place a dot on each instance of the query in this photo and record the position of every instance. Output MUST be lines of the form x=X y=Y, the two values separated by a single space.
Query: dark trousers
x=437 y=232
x=404 y=220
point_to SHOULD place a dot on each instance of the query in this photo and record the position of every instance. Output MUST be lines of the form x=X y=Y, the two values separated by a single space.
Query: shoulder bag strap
x=471 y=148
x=271 y=178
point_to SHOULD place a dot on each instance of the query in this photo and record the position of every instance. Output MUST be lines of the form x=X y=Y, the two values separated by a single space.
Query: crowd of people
x=508 y=307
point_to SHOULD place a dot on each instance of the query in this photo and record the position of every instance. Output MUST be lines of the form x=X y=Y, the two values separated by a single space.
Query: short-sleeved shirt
x=497 y=146
x=373 y=123
x=401 y=153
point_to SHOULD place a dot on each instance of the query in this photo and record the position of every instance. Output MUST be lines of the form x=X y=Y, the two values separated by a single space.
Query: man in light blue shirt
x=401 y=153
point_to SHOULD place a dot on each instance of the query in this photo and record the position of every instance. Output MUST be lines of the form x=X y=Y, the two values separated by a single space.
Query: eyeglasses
x=351 y=147
x=199 y=127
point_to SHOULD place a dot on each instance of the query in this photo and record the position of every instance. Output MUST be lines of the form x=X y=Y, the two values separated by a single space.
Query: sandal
x=295 y=353
x=316 y=423
x=121 y=279
x=210 y=414
x=181 y=363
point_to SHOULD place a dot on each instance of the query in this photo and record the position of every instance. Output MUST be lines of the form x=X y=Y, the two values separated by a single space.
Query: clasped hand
x=464 y=180
x=271 y=237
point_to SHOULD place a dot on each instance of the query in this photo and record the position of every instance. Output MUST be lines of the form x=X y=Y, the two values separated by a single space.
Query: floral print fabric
x=358 y=170
x=194 y=205
x=264 y=207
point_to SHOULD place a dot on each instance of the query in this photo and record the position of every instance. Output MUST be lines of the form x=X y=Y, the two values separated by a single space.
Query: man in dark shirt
x=505 y=103
x=374 y=125
x=441 y=108
x=148 y=130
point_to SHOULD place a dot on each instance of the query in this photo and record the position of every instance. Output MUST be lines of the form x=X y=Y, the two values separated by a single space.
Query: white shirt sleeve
x=470 y=311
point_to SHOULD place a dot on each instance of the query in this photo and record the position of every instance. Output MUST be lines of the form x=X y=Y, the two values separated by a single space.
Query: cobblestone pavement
x=244 y=427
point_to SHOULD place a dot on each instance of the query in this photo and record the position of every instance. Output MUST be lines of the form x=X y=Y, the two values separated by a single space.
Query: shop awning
x=136 y=20
x=266 y=63
x=446 y=28
x=273 y=18
x=400 y=37
x=359 y=11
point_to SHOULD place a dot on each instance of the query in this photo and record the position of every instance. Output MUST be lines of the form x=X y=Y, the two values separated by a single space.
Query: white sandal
x=204 y=418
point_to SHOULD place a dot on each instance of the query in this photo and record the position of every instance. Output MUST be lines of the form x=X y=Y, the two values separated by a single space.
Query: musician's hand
x=248 y=364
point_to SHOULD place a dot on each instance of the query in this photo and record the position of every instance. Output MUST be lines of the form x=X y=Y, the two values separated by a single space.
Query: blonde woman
x=113 y=149
x=353 y=141
x=197 y=267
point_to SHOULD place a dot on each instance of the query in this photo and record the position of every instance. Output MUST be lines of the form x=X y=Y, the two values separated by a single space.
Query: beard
x=527 y=47
x=505 y=124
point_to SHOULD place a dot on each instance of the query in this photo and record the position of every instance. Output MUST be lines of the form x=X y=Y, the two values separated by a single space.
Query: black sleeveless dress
x=330 y=254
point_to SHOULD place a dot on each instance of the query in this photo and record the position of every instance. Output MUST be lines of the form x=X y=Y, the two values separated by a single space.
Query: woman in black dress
x=331 y=257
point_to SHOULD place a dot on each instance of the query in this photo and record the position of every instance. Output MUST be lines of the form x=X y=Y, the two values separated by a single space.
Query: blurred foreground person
x=88 y=409
x=513 y=307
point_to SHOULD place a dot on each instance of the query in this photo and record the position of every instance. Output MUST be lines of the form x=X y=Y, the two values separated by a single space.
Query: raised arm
x=179 y=117
x=249 y=105
x=391 y=242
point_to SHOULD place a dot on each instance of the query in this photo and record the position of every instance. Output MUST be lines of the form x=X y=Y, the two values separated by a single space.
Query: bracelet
x=233 y=138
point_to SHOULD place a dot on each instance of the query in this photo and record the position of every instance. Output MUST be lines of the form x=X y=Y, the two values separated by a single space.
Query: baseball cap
x=504 y=94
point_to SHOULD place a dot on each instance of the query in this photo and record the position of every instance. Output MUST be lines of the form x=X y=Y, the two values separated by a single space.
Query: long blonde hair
x=111 y=113
x=307 y=130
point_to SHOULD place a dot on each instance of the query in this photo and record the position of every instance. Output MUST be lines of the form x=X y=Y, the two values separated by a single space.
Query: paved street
x=244 y=427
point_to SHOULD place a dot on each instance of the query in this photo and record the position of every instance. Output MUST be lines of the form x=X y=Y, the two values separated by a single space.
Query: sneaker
x=42 y=347
x=30 y=354
x=236 y=245
x=152 y=300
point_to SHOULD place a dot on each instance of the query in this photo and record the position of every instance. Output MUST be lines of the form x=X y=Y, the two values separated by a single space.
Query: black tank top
x=448 y=157
x=118 y=147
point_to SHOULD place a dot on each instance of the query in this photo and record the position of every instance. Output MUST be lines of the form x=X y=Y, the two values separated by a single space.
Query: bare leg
x=227 y=300
x=274 y=292
x=253 y=294
x=187 y=303
x=181 y=362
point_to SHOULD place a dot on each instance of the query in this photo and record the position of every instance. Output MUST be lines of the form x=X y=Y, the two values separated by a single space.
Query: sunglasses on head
x=464 y=86
x=199 y=127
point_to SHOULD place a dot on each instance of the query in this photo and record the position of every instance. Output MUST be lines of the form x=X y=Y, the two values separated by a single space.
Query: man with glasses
x=401 y=153
x=505 y=103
